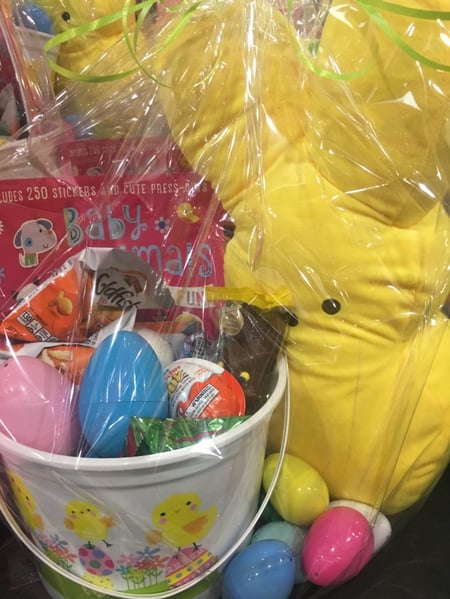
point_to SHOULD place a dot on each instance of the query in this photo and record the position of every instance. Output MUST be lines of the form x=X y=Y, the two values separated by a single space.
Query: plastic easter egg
x=202 y=389
x=293 y=536
x=35 y=18
x=337 y=546
x=160 y=346
x=381 y=527
x=262 y=570
x=300 y=493
x=36 y=407
x=124 y=378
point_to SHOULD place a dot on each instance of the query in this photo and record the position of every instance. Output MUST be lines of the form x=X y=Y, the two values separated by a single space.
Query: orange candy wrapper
x=90 y=291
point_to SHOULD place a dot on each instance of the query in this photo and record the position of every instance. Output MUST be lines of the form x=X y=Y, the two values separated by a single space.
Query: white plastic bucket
x=92 y=521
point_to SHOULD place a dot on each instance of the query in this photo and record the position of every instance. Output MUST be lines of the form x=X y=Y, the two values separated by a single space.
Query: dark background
x=414 y=565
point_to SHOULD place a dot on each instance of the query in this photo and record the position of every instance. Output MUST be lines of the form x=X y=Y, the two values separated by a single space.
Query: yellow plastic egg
x=300 y=493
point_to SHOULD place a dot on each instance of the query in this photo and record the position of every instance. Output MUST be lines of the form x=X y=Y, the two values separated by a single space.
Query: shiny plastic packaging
x=226 y=283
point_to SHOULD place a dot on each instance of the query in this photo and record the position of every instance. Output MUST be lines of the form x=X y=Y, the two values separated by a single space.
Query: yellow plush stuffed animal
x=108 y=108
x=335 y=174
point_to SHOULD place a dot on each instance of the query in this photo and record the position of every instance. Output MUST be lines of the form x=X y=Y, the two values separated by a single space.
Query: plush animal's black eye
x=66 y=16
x=331 y=306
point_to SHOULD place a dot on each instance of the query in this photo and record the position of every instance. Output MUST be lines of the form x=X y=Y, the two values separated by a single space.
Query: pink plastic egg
x=35 y=405
x=337 y=546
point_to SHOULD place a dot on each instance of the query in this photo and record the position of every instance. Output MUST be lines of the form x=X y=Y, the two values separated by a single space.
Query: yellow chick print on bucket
x=180 y=521
x=25 y=502
x=87 y=521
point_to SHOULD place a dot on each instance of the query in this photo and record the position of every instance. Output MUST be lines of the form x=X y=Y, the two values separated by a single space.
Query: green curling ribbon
x=304 y=57
x=418 y=13
x=371 y=7
x=143 y=8
x=185 y=17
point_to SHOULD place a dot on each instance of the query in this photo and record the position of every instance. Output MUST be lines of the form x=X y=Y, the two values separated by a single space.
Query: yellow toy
x=335 y=173
x=107 y=108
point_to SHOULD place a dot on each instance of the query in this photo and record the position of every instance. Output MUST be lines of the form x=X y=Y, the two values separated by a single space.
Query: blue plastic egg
x=293 y=536
x=33 y=17
x=263 y=570
x=124 y=378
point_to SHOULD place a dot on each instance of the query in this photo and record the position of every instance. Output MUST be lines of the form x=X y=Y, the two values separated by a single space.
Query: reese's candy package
x=89 y=292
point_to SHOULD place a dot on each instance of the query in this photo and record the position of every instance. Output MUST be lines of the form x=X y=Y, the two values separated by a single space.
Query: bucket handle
x=29 y=544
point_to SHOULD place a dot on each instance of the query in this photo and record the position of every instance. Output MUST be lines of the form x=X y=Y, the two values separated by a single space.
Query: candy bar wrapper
x=91 y=290
x=149 y=436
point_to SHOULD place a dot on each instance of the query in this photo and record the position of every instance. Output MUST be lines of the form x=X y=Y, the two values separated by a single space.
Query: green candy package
x=149 y=436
